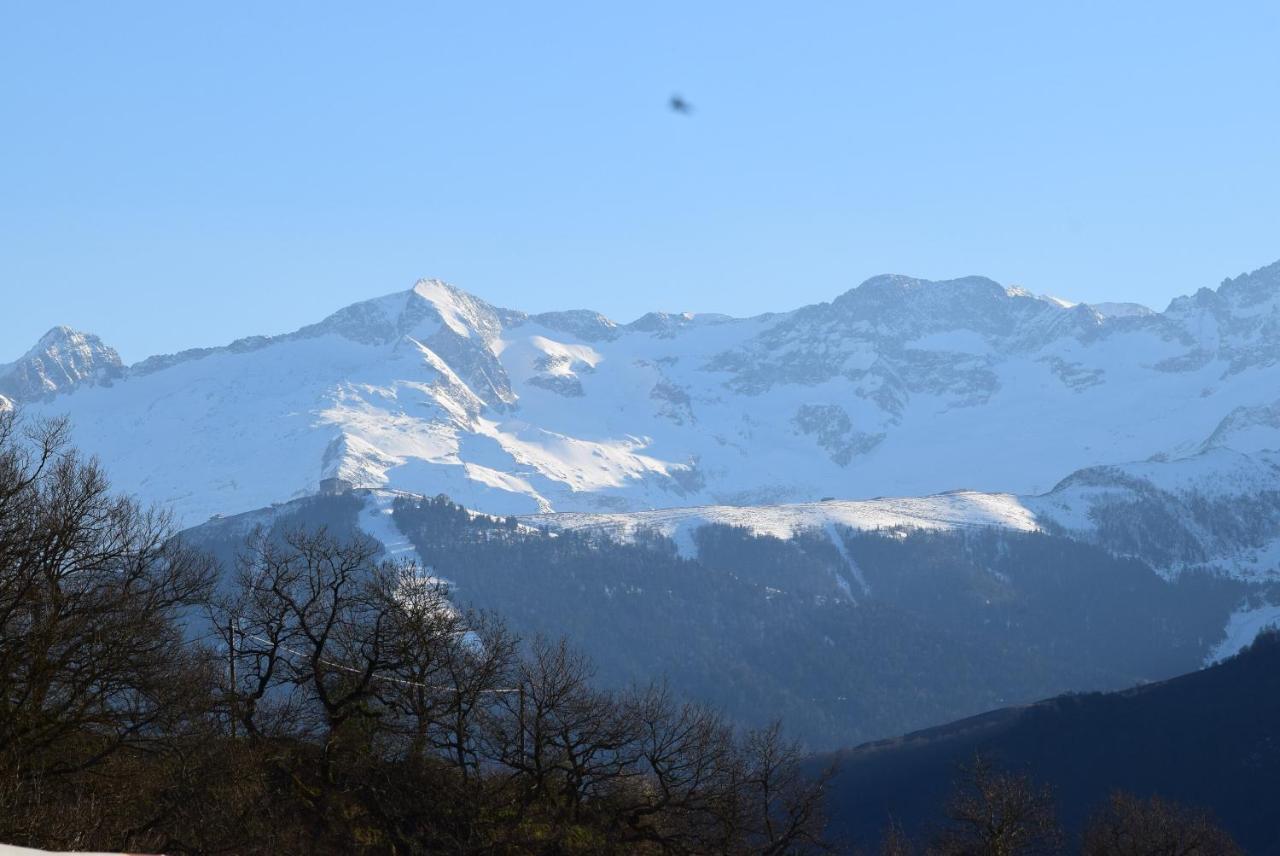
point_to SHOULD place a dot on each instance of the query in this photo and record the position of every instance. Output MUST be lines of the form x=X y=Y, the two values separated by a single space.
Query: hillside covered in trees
x=848 y=636
x=1209 y=739
x=951 y=623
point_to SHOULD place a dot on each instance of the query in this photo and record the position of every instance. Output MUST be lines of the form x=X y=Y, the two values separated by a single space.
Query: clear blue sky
x=180 y=174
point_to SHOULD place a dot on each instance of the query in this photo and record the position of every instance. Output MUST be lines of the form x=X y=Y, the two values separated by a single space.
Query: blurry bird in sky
x=679 y=105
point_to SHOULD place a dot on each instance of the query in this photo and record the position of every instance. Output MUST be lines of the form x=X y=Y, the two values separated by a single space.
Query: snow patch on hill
x=950 y=511
x=1242 y=628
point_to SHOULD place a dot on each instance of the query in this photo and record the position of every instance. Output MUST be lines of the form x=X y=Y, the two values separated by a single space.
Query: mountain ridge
x=899 y=386
x=584 y=322
x=1204 y=739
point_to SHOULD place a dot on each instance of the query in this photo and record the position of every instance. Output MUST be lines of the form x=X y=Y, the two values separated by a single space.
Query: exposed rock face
x=582 y=324
x=62 y=360
x=834 y=431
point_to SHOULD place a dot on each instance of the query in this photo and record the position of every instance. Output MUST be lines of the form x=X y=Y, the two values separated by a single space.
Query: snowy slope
x=375 y=520
x=1218 y=510
x=1242 y=628
x=948 y=511
x=897 y=387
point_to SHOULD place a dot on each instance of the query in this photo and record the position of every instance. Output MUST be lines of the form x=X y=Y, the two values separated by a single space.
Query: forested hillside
x=949 y=623
x=870 y=636
x=1205 y=739
x=873 y=635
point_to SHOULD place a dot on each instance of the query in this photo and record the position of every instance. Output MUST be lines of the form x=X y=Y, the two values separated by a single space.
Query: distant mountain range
x=898 y=387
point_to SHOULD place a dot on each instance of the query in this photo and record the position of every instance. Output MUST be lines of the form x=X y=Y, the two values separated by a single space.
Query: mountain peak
x=61 y=360
x=463 y=313
x=905 y=304
x=586 y=324
x=439 y=291
x=889 y=290
x=1250 y=289
x=429 y=305
x=60 y=334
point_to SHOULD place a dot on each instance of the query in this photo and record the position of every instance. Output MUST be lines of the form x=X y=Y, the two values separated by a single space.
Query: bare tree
x=783 y=804
x=995 y=813
x=689 y=757
x=93 y=591
x=313 y=634
x=476 y=671
x=562 y=739
x=425 y=630
x=1130 y=826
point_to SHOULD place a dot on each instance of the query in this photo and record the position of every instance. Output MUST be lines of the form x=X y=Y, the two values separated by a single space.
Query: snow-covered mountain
x=897 y=387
